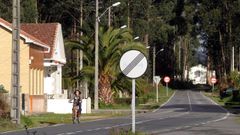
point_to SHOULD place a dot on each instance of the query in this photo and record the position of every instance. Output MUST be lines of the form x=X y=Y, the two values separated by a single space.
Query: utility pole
x=128 y=18
x=109 y=16
x=238 y=58
x=15 y=85
x=179 y=57
x=81 y=52
x=232 y=61
x=96 y=59
x=154 y=62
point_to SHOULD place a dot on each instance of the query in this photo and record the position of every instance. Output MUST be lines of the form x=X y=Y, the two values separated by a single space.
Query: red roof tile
x=9 y=25
x=45 y=32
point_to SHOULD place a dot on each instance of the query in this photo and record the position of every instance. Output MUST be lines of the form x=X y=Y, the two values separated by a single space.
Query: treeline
x=178 y=26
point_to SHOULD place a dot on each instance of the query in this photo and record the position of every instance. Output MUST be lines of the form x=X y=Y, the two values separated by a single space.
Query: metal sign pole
x=133 y=64
x=156 y=92
x=133 y=105
x=167 y=89
x=213 y=88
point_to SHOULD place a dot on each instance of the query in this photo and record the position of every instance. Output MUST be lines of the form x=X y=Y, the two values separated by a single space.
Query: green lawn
x=215 y=97
x=47 y=119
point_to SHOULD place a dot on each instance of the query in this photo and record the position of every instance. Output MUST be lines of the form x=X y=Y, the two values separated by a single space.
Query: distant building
x=198 y=74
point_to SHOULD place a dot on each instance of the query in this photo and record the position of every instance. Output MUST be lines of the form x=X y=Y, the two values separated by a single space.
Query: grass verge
x=215 y=97
x=48 y=119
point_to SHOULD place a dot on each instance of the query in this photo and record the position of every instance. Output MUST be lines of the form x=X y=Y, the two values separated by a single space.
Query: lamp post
x=109 y=13
x=124 y=26
x=154 y=60
x=97 y=19
x=96 y=60
x=136 y=38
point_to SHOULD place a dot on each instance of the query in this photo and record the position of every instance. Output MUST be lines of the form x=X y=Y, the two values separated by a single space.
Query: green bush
x=4 y=108
x=235 y=79
x=26 y=121
x=2 y=89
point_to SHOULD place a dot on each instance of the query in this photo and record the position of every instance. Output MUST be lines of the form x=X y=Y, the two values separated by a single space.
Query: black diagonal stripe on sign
x=133 y=64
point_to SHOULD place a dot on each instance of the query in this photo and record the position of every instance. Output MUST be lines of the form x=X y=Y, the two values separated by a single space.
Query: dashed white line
x=70 y=133
x=166 y=102
x=189 y=100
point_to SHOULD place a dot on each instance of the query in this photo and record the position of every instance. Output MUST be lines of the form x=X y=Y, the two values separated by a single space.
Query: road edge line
x=165 y=102
x=227 y=112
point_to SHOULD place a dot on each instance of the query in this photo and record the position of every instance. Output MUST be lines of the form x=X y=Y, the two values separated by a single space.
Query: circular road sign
x=213 y=80
x=133 y=64
x=166 y=79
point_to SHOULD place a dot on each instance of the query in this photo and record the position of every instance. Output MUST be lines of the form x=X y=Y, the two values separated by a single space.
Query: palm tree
x=112 y=44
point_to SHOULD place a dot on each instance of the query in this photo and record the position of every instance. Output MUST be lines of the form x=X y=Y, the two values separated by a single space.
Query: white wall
x=62 y=106
x=53 y=80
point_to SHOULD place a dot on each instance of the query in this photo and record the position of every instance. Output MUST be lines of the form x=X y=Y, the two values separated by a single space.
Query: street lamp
x=137 y=37
x=109 y=12
x=97 y=19
x=124 y=26
x=154 y=60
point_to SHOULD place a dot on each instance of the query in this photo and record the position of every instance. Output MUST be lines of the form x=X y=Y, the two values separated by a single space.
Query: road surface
x=188 y=112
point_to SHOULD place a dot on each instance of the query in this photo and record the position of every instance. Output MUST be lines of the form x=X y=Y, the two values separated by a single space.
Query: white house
x=50 y=34
x=198 y=74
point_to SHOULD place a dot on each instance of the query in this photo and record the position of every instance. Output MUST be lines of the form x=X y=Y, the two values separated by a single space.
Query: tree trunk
x=223 y=67
x=105 y=91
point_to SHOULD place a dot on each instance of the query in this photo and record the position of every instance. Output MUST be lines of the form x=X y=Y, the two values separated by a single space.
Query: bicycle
x=76 y=112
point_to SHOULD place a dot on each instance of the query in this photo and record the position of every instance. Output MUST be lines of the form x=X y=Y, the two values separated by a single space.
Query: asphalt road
x=188 y=112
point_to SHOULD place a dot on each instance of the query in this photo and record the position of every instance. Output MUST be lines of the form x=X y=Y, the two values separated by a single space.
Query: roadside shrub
x=234 y=79
x=26 y=121
x=128 y=101
x=4 y=106
x=2 y=89
x=123 y=100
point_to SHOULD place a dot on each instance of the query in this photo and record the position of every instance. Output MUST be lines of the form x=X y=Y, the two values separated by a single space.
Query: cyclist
x=77 y=108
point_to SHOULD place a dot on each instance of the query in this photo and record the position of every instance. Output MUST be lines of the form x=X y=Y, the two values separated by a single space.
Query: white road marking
x=166 y=102
x=56 y=125
x=227 y=112
x=177 y=128
x=202 y=123
x=189 y=100
x=70 y=133
x=126 y=124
